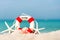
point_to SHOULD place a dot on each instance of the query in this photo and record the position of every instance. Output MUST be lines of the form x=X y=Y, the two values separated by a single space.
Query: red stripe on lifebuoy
x=19 y=19
x=31 y=19
x=29 y=30
x=19 y=28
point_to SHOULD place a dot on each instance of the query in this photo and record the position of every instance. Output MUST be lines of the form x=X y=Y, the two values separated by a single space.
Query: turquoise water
x=49 y=25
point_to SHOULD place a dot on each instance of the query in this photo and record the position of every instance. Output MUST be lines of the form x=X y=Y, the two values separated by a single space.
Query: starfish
x=9 y=30
x=37 y=29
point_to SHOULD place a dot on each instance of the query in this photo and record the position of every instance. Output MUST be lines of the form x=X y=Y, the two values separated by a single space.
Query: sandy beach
x=16 y=35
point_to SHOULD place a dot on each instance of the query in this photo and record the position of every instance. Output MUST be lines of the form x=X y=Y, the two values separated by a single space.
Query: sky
x=39 y=9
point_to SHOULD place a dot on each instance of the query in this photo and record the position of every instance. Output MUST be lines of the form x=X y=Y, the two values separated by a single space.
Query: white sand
x=55 y=35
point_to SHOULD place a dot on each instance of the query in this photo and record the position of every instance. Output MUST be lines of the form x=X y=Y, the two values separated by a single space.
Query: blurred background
x=46 y=12
x=39 y=9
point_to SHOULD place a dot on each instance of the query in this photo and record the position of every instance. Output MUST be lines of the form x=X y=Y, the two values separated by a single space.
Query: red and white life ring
x=29 y=19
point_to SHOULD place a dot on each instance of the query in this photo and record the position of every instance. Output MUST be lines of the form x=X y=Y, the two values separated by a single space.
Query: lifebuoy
x=29 y=19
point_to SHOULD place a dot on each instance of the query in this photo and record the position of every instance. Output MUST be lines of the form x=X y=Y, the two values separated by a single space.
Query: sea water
x=49 y=25
x=51 y=31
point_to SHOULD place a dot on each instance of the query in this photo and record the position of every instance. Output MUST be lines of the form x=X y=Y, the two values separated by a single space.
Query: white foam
x=54 y=35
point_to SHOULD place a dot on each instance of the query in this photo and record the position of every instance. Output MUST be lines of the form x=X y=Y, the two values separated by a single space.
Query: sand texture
x=16 y=35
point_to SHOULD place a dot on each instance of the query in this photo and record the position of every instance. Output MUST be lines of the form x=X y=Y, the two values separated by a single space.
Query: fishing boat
x=16 y=26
